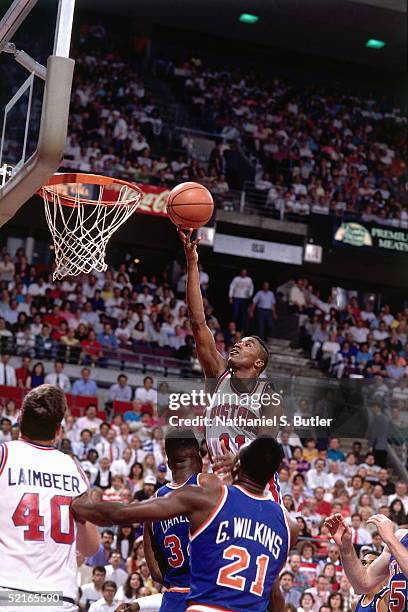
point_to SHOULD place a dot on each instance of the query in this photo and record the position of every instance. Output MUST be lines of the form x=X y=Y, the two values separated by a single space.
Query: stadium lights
x=248 y=18
x=373 y=43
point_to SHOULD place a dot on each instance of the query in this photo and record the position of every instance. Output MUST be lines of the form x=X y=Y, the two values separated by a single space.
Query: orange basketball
x=190 y=205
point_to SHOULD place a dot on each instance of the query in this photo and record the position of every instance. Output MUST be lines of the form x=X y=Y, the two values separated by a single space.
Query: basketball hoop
x=83 y=211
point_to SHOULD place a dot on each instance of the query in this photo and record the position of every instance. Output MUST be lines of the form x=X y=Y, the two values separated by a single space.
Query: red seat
x=121 y=407
x=83 y=401
x=101 y=414
x=76 y=412
x=13 y=393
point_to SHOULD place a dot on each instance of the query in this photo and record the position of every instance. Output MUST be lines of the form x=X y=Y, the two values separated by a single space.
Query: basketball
x=190 y=205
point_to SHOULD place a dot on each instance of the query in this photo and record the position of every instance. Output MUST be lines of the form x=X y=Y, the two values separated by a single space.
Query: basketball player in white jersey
x=236 y=377
x=38 y=534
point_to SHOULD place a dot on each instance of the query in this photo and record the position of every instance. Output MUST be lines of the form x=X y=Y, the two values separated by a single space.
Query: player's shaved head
x=261 y=459
x=181 y=445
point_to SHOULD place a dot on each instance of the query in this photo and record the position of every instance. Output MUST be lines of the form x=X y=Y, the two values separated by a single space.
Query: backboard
x=36 y=79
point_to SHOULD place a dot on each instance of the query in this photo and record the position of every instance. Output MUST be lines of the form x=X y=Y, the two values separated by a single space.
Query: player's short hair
x=178 y=441
x=42 y=412
x=261 y=459
x=264 y=351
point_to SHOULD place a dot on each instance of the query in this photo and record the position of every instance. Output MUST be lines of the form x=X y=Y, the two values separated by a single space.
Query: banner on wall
x=372 y=236
x=258 y=249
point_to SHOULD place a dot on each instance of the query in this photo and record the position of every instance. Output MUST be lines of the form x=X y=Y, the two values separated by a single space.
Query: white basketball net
x=81 y=232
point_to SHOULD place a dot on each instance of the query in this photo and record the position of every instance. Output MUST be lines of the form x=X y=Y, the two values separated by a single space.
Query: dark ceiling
x=329 y=28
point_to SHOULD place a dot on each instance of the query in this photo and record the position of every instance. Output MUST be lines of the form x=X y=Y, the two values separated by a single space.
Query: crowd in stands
x=315 y=150
x=123 y=454
x=318 y=150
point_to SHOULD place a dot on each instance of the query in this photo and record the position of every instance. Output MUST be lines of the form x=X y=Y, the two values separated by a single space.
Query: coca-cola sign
x=153 y=202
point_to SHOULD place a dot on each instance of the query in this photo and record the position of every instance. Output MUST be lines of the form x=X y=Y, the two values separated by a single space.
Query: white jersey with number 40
x=37 y=529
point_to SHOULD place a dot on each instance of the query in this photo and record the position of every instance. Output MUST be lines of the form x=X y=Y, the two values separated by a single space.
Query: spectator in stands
x=82 y=448
x=37 y=376
x=92 y=591
x=106 y=603
x=306 y=602
x=120 y=391
x=240 y=292
x=58 y=377
x=7 y=372
x=320 y=592
x=85 y=385
x=263 y=304
x=114 y=570
x=109 y=447
x=360 y=535
x=107 y=338
x=146 y=394
x=103 y=479
x=289 y=593
x=317 y=477
x=149 y=484
x=334 y=453
x=5 y=430
x=90 y=420
x=397 y=512
x=23 y=372
x=92 y=349
x=401 y=494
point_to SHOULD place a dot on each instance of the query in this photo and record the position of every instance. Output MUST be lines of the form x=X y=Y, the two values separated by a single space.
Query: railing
x=143 y=358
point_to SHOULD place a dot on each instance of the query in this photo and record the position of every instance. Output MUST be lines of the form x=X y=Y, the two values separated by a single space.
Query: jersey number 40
x=27 y=514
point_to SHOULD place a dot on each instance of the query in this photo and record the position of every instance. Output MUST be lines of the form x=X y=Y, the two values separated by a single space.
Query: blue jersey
x=237 y=554
x=172 y=537
x=372 y=606
x=398 y=584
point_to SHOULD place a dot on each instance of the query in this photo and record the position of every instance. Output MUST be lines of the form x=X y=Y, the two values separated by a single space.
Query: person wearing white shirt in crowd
x=401 y=494
x=359 y=333
x=38 y=288
x=58 y=378
x=109 y=448
x=121 y=467
x=147 y=394
x=89 y=421
x=381 y=333
x=7 y=372
x=90 y=465
x=121 y=391
x=240 y=292
x=360 y=535
x=387 y=316
x=317 y=477
x=114 y=571
x=106 y=603
x=92 y=591
x=335 y=474
x=367 y=315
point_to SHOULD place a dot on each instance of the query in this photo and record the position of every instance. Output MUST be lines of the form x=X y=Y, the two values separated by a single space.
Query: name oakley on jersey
x=169 y=523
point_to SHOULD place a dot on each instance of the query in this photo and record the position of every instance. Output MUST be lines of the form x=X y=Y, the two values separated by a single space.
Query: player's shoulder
x=209 y=481
x=401 y=533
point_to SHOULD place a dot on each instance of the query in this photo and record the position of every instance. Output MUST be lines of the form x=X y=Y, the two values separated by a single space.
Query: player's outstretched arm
x=392 y=538
x=362 y=579
x=185 y=501
x=211 y=361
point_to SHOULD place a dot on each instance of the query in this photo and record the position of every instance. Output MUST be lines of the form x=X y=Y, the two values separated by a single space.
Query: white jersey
x=37 y=529
x=232 y=416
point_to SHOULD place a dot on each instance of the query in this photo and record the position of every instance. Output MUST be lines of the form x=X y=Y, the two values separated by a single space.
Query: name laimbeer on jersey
x=169 y=523
x=25 y=476
x=251 y=530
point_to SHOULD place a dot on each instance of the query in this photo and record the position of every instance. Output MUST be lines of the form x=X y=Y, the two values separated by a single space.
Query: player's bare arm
x=88 y=538
x=363 y=580
x=211 y=361
x=195 y=502
x=154 y=559
x=391 y=538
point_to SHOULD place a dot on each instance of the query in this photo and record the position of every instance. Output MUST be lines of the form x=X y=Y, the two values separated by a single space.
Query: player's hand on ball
x=339 y=530
x=190 y=246
x=385 y=527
